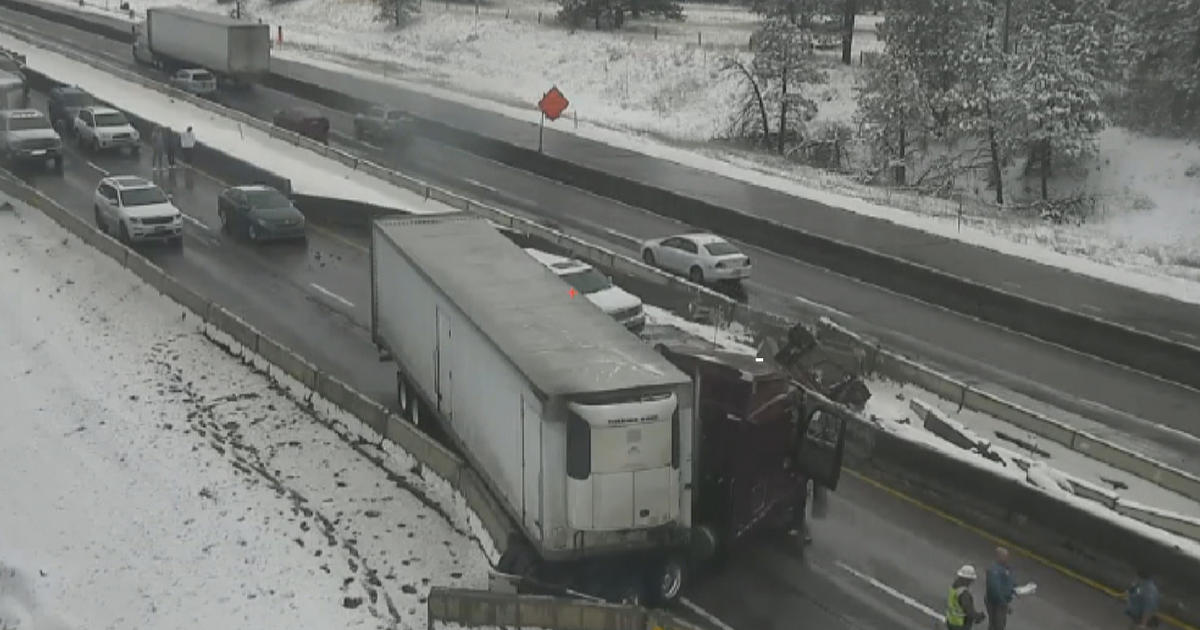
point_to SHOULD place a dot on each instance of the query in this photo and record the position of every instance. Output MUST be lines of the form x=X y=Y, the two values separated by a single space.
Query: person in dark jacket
x=999 y=591
x=960 y=604
x=1143 y=602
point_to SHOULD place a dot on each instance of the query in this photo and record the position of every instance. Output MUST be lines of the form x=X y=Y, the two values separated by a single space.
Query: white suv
x=618 y=303
x=196 y=81
x=137 y=210
x=105 y=128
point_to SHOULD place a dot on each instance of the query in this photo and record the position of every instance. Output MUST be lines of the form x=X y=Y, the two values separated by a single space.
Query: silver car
x=196 y=81
x=99 y=128
x=26 y=137
x=701 y=257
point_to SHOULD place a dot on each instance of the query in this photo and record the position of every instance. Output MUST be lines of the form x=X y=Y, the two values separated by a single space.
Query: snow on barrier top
x=333 y=174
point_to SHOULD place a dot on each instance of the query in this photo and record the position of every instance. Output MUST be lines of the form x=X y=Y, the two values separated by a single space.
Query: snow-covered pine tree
x=1165 y=60
x=1055 y=79
x=784 y=61
x=892 y=111
x=397 y=13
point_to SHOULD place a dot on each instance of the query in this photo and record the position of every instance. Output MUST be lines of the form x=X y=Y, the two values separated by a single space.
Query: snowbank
x=166 y=483
x=309 y=173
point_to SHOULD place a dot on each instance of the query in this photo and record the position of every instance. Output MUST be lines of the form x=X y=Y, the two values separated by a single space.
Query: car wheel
x=252 y=232
x=224 y=221
x=648 y=256
x=696 y=274
x=100 y=220
x=125 y=234
x=58 y=166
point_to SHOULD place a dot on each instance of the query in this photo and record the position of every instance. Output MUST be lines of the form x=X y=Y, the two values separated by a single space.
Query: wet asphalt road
x=879 y=562
x=1132 y=408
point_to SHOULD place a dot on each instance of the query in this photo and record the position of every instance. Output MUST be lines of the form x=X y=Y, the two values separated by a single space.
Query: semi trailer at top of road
x=173 y=38
x=623 y=466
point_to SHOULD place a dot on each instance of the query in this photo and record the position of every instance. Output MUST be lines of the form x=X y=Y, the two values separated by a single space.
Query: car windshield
x=720 y=248
x=202 y=76
x=74 y=99
x=143 y=196
x=266 y=199
x=111 y=119
x=588 y=281
x=27 y=123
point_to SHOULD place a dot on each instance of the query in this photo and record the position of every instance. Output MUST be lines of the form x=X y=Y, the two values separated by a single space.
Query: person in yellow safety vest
x=960 y=604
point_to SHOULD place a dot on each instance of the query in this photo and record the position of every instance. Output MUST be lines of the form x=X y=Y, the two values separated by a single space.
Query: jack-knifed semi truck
x=173 y=38
x=625 y=465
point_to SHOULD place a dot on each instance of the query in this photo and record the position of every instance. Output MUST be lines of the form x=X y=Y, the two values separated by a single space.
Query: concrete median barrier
x=475 y=608
x=345 y=397
x=430 y=453
x=1066 y=534
x=1176 y=523
x=155 y=276
x=288 y=362
x=234 y=326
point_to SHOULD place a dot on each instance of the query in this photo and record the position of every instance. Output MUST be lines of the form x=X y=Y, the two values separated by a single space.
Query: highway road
x=879 y=561
x=1134 y=408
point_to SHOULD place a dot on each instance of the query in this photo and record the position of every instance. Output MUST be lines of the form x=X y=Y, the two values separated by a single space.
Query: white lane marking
x=97 y=167
x=196 y=222
x=330 y=294
x=480 y=184
x=893 y=592
x=1184 y=333
x=820 y=306
x=1091 y=307
x=709 y=617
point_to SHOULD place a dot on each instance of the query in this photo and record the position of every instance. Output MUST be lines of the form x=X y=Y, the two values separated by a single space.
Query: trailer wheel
x=518 y=558
x=667 y=581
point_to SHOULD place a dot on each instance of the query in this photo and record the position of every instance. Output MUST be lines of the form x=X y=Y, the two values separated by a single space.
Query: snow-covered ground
x=890 y=408
x=667 y=95
x=153 y=481
x=309 y=173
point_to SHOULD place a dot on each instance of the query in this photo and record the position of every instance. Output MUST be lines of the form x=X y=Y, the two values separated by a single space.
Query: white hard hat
x=967 y=571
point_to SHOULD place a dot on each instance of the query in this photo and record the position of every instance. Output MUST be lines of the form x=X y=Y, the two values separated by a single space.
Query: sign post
x=552 y=105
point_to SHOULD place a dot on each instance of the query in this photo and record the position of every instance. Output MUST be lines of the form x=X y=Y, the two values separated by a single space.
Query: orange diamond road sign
x=553 y=103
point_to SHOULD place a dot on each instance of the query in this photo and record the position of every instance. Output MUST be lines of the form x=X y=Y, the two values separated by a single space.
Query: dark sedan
x=261 y=213
x=304 y=121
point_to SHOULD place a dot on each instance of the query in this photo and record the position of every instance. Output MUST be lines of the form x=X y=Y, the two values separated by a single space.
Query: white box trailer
x=178 y=37
x=581 y=430
x=12 y=91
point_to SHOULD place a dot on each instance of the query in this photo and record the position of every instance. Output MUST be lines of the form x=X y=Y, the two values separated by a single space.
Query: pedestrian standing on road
x=960 y=604
x=1143 y=602
x=169 y=139
x=187 y=142
x=999 y=591
x=158 y=143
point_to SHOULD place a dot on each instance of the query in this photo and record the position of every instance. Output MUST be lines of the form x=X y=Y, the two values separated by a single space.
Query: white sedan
x=701 y=257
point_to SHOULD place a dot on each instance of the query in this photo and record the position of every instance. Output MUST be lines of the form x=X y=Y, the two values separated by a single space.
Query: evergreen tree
x=395 y=12
x=1055 y=76
x=783 y=62
x=1164 y=57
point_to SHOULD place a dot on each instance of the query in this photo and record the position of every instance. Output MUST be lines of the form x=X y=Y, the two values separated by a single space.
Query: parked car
x=304 y=121
x=701 y=257
x=100 y=128
x=27 y=137
x=63 y=104
x=620 y=304
x=137 y=210
x=260 y=213
x=196 y=81
x=380 y=122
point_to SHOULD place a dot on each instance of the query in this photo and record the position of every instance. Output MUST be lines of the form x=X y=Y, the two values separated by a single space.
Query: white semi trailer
x=173 y=38
x=581 y=430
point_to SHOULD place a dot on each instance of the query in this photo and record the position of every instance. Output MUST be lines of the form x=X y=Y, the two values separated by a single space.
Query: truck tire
x=665 y=581
x=518 y=558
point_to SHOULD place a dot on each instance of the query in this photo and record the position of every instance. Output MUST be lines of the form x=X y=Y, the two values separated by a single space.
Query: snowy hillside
x=665 y=88
x=152 y=481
